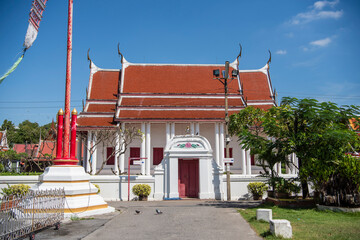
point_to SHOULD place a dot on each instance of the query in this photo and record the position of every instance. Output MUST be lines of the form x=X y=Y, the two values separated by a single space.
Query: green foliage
x=16 y=190
x=283 y=185
x=2 y=168
x=141 y=190
x=27 y=132
x=20 y=174
x=257 y=188
x=318 y=133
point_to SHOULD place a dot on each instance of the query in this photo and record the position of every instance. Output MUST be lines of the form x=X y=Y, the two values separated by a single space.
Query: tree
x=111 y=138
x=318 y=133
x=259 y=131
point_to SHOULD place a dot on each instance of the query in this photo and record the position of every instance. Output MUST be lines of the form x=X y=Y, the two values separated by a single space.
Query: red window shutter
x=252 y=159
x=158 y=154
x=134 y=153
x=109 y=152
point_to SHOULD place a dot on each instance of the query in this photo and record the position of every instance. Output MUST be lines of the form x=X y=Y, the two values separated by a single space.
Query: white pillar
x=167 y=126
x=173 y=173
x=148 y=149
x=122 y=147
x=94 y=155
x=248 y=162
x=243 y=160
x=197 y=128
x=279 y=168
x=86 y=152
x=222 y=142
x=172 y=132
x=192 y=129
x=117 y=152
x=217 y=145
x=143 y=148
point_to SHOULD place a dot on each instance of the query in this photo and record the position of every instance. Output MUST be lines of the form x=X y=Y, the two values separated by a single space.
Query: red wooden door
x=134 y=153
x=189 y=178
x=110 y=152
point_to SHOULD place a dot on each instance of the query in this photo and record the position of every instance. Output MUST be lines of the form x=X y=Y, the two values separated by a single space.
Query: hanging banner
x=36 y=12
x=37 y=9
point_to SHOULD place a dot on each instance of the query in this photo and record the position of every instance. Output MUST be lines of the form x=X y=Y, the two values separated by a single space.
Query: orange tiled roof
x=161 y=92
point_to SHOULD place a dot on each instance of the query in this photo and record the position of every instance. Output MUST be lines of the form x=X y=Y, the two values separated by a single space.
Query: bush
x=16 y=190
x=141 y=190
x=257 y=188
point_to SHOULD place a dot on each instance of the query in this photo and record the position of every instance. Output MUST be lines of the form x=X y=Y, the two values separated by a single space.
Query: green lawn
x=308 y=223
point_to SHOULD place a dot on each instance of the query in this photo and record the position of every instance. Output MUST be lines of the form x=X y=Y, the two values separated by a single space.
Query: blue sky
x=314 y=44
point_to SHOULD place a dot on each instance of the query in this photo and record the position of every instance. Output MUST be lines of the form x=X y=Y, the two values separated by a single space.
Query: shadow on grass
x=266 y=234
x=233 y=204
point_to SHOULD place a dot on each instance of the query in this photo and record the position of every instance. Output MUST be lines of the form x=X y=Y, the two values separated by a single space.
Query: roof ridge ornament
x=120 y=54
x=88 y=57
x=239 y=56
x=269 y=61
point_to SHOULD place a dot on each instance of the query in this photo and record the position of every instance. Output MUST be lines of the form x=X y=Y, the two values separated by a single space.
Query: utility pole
x=224 y=80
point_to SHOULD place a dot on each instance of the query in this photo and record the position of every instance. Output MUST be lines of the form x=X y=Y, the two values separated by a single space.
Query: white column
x=148 y=149
x=296 y=163
x=192 y=130
x=86 y=152
x=172 y=132
x=167 y=126
x=221 y=150
x=248 y=162
x=217 y=145
x=243 y=160
x=94 y=155
x=78 y=148
x=143 y=148
x=122 y=147
x=206 y=188
x=173 y=173
x=117 y=153
x=279 y=168
x=197 y=128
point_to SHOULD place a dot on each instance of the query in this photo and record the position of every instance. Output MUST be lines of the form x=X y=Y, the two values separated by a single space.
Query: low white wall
x=115 y=188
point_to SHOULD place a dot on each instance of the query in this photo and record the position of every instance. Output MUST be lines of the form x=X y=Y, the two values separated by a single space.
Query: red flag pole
x=65 y=160
x=68 y=83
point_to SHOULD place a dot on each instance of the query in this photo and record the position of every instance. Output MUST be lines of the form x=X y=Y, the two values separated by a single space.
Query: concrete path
x=185 y=219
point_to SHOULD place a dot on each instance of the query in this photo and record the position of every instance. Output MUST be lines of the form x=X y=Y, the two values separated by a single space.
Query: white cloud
x=321 y=43
x=281 y=52
x=316 y=12
x=321 y=4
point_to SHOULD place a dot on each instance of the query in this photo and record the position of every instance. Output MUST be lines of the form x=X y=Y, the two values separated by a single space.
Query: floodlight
x=216 y=72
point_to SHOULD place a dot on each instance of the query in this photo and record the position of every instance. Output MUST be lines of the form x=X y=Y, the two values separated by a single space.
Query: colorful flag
x=37 y=9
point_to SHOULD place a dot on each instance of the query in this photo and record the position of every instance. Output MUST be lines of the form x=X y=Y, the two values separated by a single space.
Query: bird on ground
x=137 y=211
x=158 y=211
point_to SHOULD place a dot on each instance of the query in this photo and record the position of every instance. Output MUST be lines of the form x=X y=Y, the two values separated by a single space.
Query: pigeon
x=137 y=211
x=158 y=211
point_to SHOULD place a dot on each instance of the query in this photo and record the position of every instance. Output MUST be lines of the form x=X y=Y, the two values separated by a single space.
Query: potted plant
x=142 y=191
x=11 y=192
x=257 y=189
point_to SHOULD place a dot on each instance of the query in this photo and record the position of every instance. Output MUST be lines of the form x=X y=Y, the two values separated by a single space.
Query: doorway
x=188 y=178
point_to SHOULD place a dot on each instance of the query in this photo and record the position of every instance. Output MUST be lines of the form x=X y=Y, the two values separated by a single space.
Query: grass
x=308 y=223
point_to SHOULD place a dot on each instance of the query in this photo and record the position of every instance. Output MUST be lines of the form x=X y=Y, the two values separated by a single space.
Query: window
x=252 y=159
x=158 y=154
x=110 y=160
x=134 y=153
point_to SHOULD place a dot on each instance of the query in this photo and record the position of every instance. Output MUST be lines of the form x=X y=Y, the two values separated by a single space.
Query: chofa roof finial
x=88 y=57
x=269 y=61
x=239 y=56
x=120 y=54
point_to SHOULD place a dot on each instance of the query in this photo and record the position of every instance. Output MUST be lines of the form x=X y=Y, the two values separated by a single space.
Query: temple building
x=180 y=109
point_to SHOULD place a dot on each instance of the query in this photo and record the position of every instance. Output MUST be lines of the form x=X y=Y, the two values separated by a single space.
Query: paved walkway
x=185 y=219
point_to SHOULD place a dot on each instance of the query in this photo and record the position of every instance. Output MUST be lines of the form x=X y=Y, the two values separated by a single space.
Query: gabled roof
x=170 y=92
